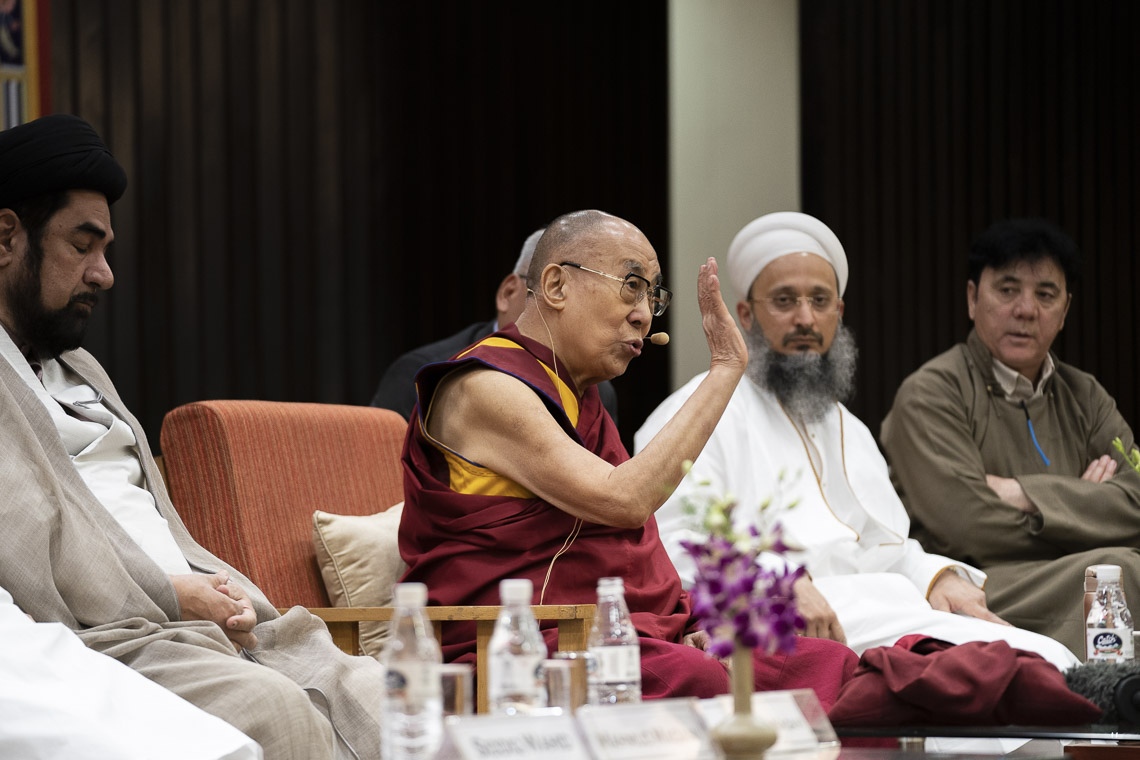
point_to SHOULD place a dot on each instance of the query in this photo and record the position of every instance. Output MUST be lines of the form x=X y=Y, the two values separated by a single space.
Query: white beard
x=806 y=383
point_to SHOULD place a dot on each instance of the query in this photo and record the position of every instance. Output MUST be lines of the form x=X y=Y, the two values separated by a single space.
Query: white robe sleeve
x=753 y=449
x=60 y=700
x=718 y=471
x=883 y=505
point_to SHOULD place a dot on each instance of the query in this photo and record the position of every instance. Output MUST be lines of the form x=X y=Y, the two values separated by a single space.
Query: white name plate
x=663 y=729
x=799 y=720
x=553 y=737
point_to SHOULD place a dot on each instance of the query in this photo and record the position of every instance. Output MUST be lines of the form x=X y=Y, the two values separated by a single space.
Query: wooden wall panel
x=317 y=187
x=926 y=121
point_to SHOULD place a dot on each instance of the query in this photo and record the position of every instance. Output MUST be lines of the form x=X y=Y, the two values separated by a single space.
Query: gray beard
x=806 y=383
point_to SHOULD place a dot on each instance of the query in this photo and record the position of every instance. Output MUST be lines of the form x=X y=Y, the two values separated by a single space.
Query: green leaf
x=1131 y=457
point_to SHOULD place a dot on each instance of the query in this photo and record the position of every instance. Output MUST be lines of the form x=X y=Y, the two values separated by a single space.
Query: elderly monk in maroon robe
x=513 y=469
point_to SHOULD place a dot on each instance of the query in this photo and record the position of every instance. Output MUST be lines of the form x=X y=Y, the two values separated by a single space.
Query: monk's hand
x=1011 y=492
x=953 y=593
x=820 y=621
x=1100 y=470
x=698 y=640
x=726 y=344
x=217 y=599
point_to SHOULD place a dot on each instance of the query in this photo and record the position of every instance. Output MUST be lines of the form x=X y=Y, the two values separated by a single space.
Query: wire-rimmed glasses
x=634 y=287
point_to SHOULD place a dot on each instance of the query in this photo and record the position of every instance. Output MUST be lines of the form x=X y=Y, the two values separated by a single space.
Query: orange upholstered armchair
x=247 y=476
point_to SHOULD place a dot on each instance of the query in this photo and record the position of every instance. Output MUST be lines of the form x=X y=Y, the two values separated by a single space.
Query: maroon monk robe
x=465 y=528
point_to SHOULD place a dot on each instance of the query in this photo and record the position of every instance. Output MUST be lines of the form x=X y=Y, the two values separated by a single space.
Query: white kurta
x=61 y=701
x=848 y=519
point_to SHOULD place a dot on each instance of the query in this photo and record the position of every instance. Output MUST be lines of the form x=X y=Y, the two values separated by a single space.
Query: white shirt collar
x=1016 y=386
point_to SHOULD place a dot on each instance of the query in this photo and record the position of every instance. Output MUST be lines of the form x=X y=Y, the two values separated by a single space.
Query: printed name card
x=666 y=729
x=786 y=710
x=799 y=719
x=553 y=737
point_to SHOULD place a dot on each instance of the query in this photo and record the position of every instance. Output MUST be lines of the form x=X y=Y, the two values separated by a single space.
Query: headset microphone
x=659 y=338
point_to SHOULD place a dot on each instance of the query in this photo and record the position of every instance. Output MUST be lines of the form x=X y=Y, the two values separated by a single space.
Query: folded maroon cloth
x=925 y=681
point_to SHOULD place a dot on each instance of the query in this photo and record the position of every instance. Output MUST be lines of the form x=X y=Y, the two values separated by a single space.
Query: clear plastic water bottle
x=412 y=704
x=517 y=651
x=615 y=673
x=1108 y=628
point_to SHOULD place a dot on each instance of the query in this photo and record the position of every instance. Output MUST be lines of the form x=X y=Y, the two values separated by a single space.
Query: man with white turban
x=787 y=436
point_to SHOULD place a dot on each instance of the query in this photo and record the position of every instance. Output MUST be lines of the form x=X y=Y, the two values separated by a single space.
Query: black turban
x=56 y=153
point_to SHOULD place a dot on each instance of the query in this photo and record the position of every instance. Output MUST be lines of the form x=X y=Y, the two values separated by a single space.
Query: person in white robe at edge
x=60 y=700
x=786 y=434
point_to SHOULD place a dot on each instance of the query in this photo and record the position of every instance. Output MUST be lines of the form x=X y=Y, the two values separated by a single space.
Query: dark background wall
x=925 y=121
x=317 y=187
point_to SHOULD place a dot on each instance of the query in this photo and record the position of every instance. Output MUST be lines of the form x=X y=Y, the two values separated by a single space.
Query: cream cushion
x=360 y=562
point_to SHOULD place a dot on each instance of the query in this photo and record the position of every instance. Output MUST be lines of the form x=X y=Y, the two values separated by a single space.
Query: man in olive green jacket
x=1003 y=454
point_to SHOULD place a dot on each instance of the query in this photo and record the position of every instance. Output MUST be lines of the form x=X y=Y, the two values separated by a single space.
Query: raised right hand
x=726 y=344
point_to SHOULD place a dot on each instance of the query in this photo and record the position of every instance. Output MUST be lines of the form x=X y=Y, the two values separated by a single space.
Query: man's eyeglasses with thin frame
x=786 y=303
x=634 y=287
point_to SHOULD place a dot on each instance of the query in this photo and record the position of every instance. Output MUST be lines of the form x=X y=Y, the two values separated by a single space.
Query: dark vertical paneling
x=122 y=124
x=239 y=172
x=88 y=68
x=150 y=188
x=62 y=55
x=326 y=101
x=267 y=361
x=185 y=224
x=927 y=121
x=942 y=175
x=213 y=135
x=90 y=61
x=303 y=348
x=316 y=188
x=360 y=110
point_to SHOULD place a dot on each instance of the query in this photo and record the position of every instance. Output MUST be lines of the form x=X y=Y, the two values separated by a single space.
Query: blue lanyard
x=1033 y=434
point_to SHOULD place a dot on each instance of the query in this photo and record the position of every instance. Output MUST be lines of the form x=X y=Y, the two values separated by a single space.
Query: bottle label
x=1109 y=644
x=414 y=682
x=617 y=664
x=515 y=675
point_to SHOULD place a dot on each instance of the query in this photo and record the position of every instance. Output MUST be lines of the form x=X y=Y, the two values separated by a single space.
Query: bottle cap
x=1090 y=579
x=611 y=584
x=516 y=591
x=410 y=595
x=1108 y=572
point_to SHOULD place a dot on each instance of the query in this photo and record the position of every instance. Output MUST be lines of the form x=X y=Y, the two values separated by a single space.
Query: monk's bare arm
x=497 y=421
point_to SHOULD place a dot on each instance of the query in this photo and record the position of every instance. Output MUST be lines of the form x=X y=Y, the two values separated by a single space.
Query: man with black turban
x=90 y=538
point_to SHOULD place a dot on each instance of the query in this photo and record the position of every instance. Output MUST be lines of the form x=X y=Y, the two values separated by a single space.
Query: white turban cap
x=766 y=239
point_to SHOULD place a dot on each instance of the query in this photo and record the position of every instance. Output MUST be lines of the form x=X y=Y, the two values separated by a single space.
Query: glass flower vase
x=742 y=736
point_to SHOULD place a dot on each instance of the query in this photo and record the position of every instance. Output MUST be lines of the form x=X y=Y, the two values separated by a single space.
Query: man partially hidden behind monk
x=514 y=470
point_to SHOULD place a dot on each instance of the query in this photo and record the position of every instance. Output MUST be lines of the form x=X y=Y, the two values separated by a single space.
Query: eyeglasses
x=786 y=303
x=634 y=287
